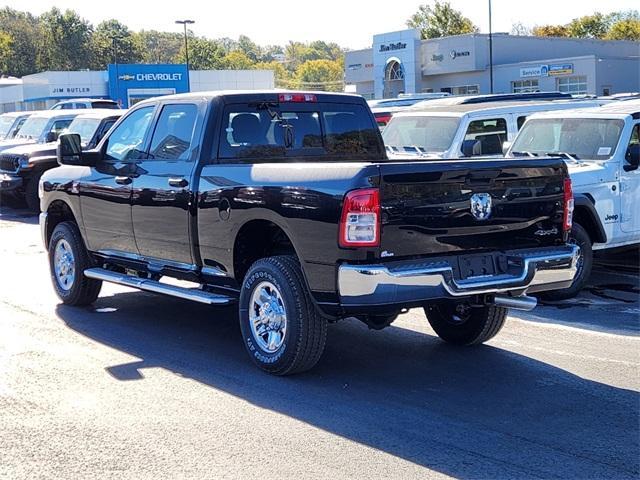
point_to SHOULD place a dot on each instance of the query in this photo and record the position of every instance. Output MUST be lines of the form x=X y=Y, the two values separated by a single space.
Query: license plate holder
x=476 y=266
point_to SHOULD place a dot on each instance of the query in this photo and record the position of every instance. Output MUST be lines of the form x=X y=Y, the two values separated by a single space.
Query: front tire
x=68 y=259
x=579 y=237
x=462 y=324
x=31 y=196
x=281 y=327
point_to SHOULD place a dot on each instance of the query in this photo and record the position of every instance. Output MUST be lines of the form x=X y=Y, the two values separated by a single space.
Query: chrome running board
x=154 y=286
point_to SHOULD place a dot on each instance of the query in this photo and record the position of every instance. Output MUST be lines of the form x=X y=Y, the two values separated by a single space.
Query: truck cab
x=10 y=124
x=453 y=128
x=600 y=147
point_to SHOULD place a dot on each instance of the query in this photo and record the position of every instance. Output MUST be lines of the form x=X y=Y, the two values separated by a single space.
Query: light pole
x=114 y=39
x=490 y=50
x=184 y=23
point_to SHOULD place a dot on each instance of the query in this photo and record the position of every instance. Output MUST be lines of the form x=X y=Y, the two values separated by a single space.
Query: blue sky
x=349 y=23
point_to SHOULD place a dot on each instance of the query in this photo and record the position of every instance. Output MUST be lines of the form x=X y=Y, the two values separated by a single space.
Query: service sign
x=537 y=71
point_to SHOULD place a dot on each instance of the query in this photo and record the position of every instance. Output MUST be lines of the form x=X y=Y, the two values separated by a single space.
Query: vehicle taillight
x=382 y=118
x=568 y=205
x=297 y=97
x=360 y=221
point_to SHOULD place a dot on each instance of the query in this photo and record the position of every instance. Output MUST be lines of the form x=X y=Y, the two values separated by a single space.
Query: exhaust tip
x=522 y=302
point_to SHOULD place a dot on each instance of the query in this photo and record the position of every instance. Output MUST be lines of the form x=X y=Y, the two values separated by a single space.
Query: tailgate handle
x=178 y=182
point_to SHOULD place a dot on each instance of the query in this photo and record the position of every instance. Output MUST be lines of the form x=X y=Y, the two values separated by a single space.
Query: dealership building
x=400 y=62
x=125 y=83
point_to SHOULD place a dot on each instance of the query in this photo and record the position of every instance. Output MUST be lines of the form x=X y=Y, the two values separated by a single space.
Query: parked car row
x=28 y=148
x=598 y=142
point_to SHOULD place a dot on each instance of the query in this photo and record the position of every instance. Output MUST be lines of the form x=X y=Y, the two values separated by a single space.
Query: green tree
x=113 y=39
x=624 y=30
x=550 y=31
x=204 y=54
x=237 y=60
x=440 y=20
x=23 y=30
x=159 y=47
x=281 y=75
x=321 y=75
x=5 y=52
x=65 y=41
x=249 y=48
x=589 y=26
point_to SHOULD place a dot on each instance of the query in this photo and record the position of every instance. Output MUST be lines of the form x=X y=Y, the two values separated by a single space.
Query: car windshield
x=85 y=127
x=420 y=133
x=5 y=125
x=33 y=128
x=577 y=138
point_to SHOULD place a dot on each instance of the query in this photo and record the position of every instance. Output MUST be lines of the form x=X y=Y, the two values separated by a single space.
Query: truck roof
x=16 y=114
x=55 y=113
x=256 y=95
x=620 y=109
x=101 y=113
x=496 y=107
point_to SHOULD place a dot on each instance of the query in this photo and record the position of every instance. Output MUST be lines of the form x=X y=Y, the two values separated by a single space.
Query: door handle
x=178 y=182
x=123 y=180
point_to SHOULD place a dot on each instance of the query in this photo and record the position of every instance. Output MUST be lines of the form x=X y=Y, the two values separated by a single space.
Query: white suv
x=601 y=147
x=451 y=128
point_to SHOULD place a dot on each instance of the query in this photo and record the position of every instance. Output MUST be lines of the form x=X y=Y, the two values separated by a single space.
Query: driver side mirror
x=505 y=147
x=632 y=157
x=69 y=150
x=471 y=148
x=51 y=137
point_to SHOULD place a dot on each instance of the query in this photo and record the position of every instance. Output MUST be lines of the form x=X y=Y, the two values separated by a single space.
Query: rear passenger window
x=281 y=131
x=174 y=131
x=521 y=121
x=490 y=133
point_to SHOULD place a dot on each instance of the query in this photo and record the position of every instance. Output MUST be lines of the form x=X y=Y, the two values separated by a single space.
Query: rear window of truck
x=291 y=131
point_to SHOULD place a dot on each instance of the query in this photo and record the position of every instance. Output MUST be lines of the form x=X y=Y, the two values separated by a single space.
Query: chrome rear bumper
x=411 y=282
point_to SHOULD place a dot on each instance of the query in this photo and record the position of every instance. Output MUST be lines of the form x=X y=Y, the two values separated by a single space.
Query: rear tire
x=68 y=259
x=579 y=237
x=465 y=325
x=281 y=327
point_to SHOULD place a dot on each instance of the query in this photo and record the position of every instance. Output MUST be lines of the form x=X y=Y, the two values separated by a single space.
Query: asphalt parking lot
x=142 y=386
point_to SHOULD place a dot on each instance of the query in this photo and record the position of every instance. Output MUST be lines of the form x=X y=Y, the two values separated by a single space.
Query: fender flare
x=593 y=226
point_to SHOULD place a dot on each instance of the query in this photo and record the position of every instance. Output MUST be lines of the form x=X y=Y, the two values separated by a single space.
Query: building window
x=575 y=85
x=525 y=86
x=394 y=71
x=462 y=90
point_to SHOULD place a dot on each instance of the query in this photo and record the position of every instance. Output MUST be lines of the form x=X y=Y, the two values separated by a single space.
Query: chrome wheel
x=64 y=265
x=268 y=317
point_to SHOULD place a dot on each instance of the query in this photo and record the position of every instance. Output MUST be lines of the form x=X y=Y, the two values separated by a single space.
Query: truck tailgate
x=439 y=207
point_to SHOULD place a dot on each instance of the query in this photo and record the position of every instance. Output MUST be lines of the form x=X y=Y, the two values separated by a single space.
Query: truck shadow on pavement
x=12 y=210
x=469 y=413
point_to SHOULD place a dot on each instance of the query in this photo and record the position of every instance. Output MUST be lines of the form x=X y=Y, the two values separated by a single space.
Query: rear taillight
x=568 y=205
x=382 y=118
x=297 y=97
x=360 y=221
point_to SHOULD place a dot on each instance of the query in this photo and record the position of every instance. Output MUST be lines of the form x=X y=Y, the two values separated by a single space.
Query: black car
x=286 y=205
x=21 y=167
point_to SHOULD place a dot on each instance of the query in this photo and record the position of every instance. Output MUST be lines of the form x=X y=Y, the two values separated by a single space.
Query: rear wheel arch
x=586 y=215
x=260 y=238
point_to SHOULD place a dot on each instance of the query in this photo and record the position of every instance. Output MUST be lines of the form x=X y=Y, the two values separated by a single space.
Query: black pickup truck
x=286 y=204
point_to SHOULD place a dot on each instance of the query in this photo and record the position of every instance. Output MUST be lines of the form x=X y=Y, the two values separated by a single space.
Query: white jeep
x=601 y=147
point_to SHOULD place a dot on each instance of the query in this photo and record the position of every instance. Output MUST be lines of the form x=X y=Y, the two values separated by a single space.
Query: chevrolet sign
x=155 y=77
